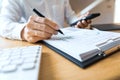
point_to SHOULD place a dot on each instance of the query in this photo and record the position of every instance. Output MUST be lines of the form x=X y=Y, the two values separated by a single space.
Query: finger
x=33 y=36
x=32 y=24
x=34 y=39
x=44 y=28
x=46 y=21
x=82 y=24
x=39 y=34
x=89 y=21
x=79 y=25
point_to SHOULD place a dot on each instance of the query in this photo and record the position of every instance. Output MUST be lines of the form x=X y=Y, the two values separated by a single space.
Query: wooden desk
x=56 y=67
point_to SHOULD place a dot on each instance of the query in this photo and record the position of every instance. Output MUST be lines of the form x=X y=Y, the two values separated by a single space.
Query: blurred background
x=109 y=9
x=105 y=7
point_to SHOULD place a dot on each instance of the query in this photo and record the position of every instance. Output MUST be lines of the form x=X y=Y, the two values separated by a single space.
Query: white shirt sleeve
x=13 y=10
x=10 y=20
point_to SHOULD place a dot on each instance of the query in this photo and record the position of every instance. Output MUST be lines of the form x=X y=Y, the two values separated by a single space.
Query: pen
x=39 y=14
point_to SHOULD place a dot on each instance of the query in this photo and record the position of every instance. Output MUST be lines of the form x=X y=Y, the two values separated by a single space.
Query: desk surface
x=56 y=67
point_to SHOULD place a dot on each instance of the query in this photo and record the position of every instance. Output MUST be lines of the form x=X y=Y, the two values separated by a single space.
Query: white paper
x=81 y=43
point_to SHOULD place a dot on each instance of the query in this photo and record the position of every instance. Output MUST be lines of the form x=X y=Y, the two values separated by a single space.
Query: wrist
x=22 y=34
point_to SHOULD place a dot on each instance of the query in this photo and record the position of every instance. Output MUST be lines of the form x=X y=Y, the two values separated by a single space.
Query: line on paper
x=63 y=38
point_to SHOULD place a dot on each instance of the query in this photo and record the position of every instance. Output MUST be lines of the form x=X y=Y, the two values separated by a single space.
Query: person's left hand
x=83 y=23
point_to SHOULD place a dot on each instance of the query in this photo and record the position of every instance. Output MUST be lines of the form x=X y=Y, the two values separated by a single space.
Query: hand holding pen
x=39 y=28
x=41 y=15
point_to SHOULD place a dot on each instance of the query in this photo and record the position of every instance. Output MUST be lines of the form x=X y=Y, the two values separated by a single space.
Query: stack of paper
x=83 y=44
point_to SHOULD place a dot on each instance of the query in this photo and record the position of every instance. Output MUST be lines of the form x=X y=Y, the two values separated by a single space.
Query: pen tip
x=60 y=32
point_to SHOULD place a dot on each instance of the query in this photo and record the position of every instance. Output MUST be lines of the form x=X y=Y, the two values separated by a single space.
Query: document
x=83 y=44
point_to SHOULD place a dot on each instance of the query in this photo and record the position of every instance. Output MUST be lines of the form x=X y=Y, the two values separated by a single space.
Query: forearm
x=10 y=17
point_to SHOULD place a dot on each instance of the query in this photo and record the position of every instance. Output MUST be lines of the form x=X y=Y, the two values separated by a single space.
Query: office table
x=56 y=67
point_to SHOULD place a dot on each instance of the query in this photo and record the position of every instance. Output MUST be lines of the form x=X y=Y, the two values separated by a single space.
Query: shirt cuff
x=16 y=34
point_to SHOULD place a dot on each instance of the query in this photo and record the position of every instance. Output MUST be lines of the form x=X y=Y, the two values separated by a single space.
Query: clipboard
x=107 y=49
x=88 y=62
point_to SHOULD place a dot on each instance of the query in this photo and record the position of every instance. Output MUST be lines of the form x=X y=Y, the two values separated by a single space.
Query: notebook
x=83 y=46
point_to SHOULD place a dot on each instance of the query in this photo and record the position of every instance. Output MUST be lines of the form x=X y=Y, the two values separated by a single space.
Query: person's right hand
x=38 y=28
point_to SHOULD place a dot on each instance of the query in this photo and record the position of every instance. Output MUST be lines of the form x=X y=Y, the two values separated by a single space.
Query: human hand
x=83 y=23
x=38 y=28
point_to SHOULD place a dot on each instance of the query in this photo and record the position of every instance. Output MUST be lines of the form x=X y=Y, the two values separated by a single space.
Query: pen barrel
x=38 y=13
